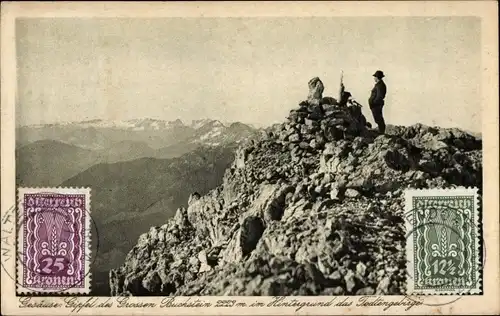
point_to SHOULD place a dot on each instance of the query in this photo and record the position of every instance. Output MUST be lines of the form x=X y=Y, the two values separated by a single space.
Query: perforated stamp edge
x=21 y=191
x=410 y=253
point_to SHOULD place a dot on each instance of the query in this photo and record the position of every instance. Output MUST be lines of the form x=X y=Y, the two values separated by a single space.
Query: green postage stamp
x=443 y=241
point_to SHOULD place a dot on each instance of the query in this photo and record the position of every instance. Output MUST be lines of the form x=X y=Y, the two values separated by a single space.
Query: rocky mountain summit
x=314 y=206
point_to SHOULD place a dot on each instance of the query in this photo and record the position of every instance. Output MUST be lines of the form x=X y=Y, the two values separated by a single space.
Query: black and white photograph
x=251 y=156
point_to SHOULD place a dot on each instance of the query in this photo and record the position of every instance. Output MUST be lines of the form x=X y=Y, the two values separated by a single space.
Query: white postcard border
x=477 y=304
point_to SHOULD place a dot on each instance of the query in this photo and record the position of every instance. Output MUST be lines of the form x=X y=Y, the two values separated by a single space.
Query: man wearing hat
x=376 y=100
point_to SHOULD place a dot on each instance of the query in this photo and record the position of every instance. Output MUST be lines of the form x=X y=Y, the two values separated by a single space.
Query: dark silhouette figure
x=344 y=98
x=376 y=100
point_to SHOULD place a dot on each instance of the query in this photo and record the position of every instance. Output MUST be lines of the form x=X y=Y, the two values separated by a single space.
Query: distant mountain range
x=49 y=154
x=157 y=134
x=139 y=171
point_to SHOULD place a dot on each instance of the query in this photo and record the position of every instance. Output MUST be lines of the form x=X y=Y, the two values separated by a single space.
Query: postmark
x=53 y=241
x=443 y=250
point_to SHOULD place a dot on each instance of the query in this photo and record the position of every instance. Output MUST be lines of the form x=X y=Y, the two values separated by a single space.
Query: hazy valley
x=139 y=173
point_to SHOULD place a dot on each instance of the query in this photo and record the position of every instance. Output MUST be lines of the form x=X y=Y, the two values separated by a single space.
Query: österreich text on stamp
x=53 y=240
x=443 y=241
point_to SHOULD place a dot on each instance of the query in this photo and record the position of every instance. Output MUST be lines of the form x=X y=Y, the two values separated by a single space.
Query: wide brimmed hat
x=379 y=74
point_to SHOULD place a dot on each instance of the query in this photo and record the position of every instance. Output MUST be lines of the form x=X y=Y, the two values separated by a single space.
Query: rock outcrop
x=316 y=89
x=312 y=207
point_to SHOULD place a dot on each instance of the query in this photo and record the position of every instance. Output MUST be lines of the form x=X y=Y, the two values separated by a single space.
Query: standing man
x=376 y=100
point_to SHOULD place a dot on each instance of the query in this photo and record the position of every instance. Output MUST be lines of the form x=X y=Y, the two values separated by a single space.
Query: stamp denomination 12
x=443 y=241
x=54 y=240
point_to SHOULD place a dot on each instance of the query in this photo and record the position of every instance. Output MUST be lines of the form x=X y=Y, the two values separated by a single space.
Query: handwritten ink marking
x=344 y=303
x=169 y=302
x=123 y=302
x=25 y=302
x=257 y=304
x=283 y=301
x=77 y=303
x=225 y=303
x=369 y=301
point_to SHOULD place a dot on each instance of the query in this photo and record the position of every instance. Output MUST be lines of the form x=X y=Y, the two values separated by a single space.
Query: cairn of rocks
x=314 y=206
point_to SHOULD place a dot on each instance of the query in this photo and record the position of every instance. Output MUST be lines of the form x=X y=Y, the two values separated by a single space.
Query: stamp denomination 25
x=443 y=241
x=54 y=240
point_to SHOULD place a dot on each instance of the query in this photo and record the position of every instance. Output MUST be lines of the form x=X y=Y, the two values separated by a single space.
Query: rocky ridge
x=314 y=206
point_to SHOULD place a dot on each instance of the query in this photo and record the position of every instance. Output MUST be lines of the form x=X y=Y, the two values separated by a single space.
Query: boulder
x=352 y=193
x=315 y=91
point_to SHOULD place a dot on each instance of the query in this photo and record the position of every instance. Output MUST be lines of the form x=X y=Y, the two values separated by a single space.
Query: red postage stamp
x=54 y=240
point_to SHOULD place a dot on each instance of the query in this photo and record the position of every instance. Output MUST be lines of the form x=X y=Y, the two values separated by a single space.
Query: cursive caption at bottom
x=78 y=304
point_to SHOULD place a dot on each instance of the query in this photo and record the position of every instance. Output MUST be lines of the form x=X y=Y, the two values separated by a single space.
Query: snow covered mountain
x=157 y=134
x=135 y=124
x=208 y=133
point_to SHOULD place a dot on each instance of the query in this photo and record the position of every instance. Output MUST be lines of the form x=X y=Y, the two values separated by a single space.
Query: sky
x=253 y=70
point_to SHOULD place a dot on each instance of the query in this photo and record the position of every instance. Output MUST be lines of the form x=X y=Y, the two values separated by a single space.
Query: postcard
x=249 y=158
